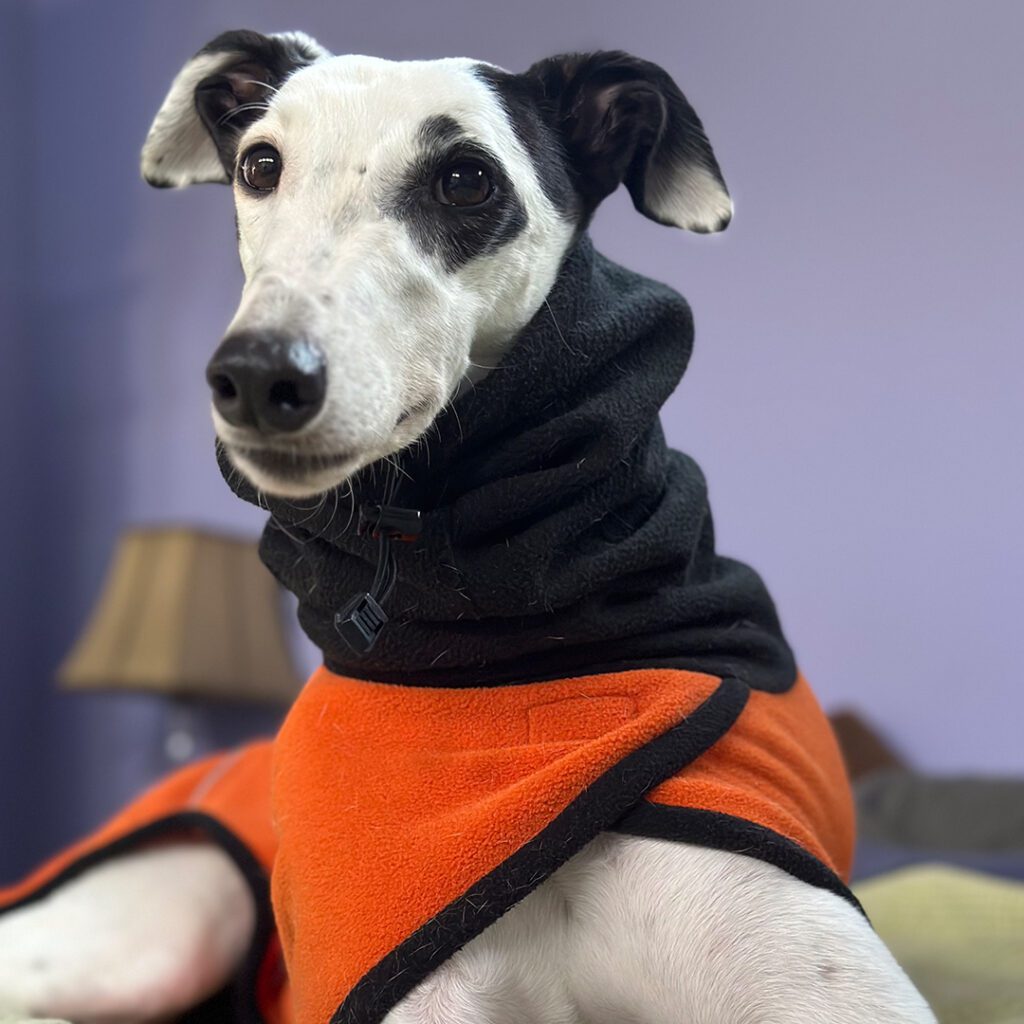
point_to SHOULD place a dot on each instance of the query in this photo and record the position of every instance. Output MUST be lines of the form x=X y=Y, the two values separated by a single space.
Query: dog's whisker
x=458 y=421
x=391 y=479
x=302 y=542
x=303 y=508
x=229 y=114
x=398 y=467
x=351 y=508
x=315 y=510
x=562 y=337
x=263 y=85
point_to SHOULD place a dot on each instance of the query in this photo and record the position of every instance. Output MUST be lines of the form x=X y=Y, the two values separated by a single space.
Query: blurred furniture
x=939 y=869
x=959 y=934
x=864 y=750
x=189 y=615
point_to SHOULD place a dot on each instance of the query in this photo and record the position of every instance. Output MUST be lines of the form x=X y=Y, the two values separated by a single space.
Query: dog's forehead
x=368 y=101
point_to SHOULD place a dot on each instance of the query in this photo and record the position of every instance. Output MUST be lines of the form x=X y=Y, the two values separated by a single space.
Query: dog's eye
x=464 y=184
x=260 y=168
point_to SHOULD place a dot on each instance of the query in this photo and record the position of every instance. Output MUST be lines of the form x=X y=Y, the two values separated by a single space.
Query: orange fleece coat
x=399 y=822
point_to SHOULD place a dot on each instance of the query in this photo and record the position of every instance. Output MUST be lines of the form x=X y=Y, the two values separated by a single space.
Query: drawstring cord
x=361 y=621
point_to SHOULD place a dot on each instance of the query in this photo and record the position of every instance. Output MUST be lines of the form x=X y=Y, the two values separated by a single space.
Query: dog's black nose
x=268 y=381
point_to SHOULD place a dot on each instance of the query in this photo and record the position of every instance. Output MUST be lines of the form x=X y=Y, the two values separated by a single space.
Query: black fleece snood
x=560 y=535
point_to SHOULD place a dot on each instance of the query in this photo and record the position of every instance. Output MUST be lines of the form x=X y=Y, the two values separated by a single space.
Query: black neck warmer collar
x=561 y=536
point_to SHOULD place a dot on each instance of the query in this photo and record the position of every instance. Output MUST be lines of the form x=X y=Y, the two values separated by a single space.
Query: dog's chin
x=293 y=474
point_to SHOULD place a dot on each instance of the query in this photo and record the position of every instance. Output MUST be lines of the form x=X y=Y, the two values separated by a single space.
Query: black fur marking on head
x=230 y=101
x=613 y=119
x=456 y=235
x=522 y=99
x=440 y=131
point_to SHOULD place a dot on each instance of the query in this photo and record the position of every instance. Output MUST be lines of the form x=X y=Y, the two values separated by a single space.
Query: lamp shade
x=185 y=613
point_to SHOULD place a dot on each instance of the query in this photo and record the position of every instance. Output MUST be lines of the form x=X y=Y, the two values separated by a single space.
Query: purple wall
x=854 y=398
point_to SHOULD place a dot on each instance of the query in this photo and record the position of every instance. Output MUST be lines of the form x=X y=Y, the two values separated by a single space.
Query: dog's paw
x=22 y=1018
x=140 y=938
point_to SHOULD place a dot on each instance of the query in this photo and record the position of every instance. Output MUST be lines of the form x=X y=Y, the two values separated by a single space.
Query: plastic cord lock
x=360 y=622
x=363 y=618
x=387 y=520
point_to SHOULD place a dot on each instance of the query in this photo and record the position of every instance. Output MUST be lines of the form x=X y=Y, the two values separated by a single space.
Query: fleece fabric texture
x=404 y=821
x=223 y=799
x=418 y=815
x=561 y=534
x=567 y=654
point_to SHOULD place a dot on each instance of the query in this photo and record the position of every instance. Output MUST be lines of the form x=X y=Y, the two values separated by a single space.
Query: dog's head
x=400 y=222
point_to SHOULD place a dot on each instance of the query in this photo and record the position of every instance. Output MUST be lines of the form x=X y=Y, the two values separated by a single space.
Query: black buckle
x=360 y=622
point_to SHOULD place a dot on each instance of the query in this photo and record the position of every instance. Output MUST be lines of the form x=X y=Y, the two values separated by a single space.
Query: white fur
x=631 y=931
x=399 y=332
x=323 y=260
x=178 y=150
x=689 y=197
x=137 y=938
x=646 y=931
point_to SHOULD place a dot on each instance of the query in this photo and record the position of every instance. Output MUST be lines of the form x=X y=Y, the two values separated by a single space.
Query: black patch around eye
x=521 y=101
x=456 y=235
x=440 y=132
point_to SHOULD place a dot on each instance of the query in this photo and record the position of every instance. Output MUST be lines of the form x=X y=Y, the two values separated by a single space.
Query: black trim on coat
x=718 y=831
x=239 y=997
x=596 y=809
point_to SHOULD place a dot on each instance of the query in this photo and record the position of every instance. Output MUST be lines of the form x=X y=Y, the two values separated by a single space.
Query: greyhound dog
x=399 y=223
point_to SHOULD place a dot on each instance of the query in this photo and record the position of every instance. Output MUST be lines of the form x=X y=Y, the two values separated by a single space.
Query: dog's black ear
x=216 y=95
x=622 y=120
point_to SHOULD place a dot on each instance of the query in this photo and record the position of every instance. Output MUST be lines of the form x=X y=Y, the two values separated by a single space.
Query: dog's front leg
x=669 y=933
x=141 y=937
x=512 y=973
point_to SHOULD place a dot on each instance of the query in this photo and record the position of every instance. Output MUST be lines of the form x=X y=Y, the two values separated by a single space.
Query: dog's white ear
x=623 y=120
x=216 y=95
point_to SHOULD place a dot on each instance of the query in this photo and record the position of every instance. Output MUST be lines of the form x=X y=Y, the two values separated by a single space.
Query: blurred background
x=855 y=396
